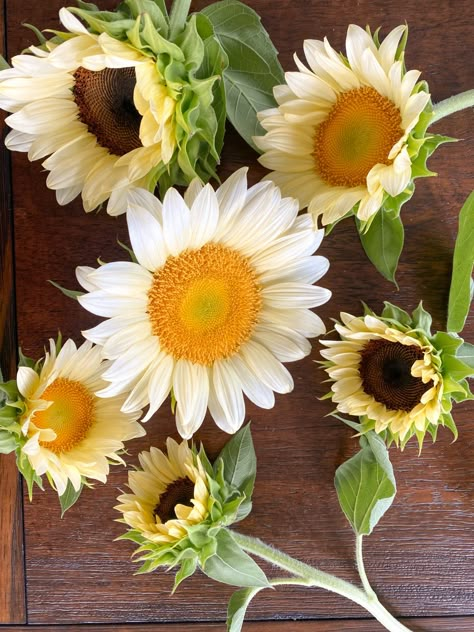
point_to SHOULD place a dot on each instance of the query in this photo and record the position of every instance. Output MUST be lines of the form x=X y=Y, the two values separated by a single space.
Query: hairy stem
x=453 y=104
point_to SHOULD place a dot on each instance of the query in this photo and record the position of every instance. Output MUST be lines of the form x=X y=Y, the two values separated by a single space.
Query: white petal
x=127 y=337
x=124 y=278
x=285 y=344
x=141 y=197
x=303 y=321
x=228 y=392
x=82 y=275
x=294 y=295
x=176 y=222
x=102 y=303
x=303 y=270
x=191 y=389
x=204 y=217
x=192 y=192
x=231 y=197
x=27 y=381
x=103 y=331
x=133 y=362
x=374 y=74
x=357 y=41
x=388 y=48
x=146 y=236
x=71 y=23
x=309 y=87
x=257 y=392
x=266 y=367
x=160 y=383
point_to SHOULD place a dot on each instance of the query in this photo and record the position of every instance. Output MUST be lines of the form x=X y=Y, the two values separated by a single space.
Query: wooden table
x=421 y=556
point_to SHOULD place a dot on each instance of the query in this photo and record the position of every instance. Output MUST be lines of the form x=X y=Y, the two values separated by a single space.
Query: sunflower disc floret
x=396 y=376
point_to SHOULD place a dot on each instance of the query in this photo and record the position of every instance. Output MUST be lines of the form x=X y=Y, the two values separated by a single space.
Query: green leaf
x=393 y=312
x=383 y=243
x=365 y=485
x=186 y=570
x=466 y=353
x=253 y=69
x=237 y=608
x=231 y=565
x=178 y=15
x=463 y=261
x=69 y=293
x=8 y=442
x=240 y=463
x=69 y=497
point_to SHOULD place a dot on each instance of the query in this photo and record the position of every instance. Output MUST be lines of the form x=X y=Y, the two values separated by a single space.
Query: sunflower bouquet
x=215 y=292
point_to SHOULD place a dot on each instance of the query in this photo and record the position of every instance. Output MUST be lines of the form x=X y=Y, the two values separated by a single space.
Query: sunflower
x=69 y=433
x=104 y=113
x=339 y=139
x=394 y=374
x=169 y=494
x=219 y=297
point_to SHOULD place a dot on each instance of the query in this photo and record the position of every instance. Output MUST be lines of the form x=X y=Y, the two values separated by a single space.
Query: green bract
x=207 y=544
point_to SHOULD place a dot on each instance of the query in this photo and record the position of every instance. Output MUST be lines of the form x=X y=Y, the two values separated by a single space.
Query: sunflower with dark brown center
x=387 y=376
x=169 y=494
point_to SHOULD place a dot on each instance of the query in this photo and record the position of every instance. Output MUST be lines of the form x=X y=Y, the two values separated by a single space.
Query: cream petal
x=138 y=196
x=388 y=48
x=309 y=87
x=373 y=73
x=294 y=295
x=357 y=41
x=146 y=237
x=292 y=139
x=257 y=392
x=228 y=392
x=408 y=83
x=413 y=108
x=27 y=381
x=18 y=141
x=41 y=117
x=370 y=204
x=176 y=222
x=279 y=161
x=204 y=217
x=300 y=186
x=266 y=367
x=71 y=23
x=64 y=196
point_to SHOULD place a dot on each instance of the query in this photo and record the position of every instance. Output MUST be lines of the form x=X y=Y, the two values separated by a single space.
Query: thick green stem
x=453 y=104
x=361 y=568
x=320 y=579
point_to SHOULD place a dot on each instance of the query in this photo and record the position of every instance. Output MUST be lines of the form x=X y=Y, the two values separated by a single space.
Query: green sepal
x=69 y=497
x=187 y=568
x=8 y=441
x=28 y=473
x=69 y=293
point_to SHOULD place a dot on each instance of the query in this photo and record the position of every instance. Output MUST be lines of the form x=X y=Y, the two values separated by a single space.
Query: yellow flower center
x=358 y=134
x=105 y=102
x=70 y=415
x=203 y=304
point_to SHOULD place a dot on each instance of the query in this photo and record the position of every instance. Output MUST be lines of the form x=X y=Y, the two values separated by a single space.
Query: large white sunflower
x=219 y=298
x=338 y=140
x=97 y=107
x=71 y=433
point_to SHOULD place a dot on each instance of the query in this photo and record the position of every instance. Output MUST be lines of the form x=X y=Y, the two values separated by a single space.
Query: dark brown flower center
x=105 y=102
x=385 y=369
x=179 y=492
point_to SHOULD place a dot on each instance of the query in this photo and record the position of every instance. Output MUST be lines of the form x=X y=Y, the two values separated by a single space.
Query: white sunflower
x=339 y=138
x=72 y=434
x=97 y=107
x=169 y=494
x=220 y=297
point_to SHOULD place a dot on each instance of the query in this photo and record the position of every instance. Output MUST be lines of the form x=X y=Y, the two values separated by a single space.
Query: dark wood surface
x=420 y=559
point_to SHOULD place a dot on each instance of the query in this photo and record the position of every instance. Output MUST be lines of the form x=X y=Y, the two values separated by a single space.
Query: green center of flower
x=179 y=492
x=204 y=303
x=385 y=370
x=359 y=132
x=105 y=103
x=70 y=415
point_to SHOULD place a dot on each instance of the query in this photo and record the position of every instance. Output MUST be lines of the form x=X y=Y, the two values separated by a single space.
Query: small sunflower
x=169 y=495
x=393 y=374
x=342 y=139
x=67 y=432
x=219 y=297
x=111 y=114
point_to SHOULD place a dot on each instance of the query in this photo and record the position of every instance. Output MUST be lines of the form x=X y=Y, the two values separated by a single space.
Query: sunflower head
x=54 y=421
x=180 y=504
x=349 y=134
x=134 y=99
x=395 y=375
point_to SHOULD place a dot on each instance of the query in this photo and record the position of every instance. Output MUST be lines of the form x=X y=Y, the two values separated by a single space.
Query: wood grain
x=421 y=557
x=12 y=578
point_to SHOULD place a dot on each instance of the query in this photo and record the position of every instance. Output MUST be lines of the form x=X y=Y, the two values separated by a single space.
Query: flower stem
x=178 y=15
x=453 y=104
x=320 y=579
x=361 y=568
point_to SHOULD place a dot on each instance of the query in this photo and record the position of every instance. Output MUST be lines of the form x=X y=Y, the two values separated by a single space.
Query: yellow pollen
x=70 y=415
x=204 y=304
x=358 y=134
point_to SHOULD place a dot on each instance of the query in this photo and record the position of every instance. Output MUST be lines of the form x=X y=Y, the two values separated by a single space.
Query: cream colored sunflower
x=98 y=108
x=389 y=377
x=71 y=434
x=339 y=138
x=220 y=297
x=169 y=494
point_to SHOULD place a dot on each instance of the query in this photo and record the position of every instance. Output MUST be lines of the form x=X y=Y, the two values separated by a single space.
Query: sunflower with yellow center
x=169 y=494
x=340 y=139
x=393 y=374
x=104 y=111
x=220 y=296
x=67 y=432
